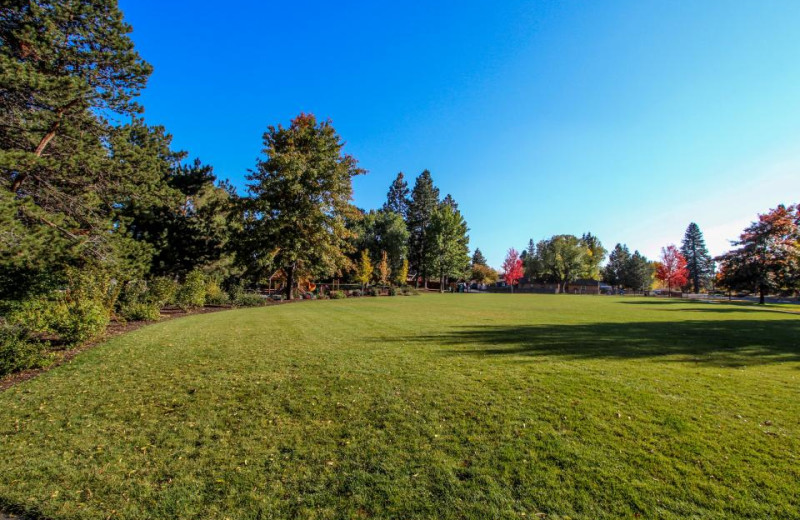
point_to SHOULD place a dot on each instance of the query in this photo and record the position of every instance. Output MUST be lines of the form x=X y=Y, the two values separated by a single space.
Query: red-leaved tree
x=671 y=269
x=512 y=268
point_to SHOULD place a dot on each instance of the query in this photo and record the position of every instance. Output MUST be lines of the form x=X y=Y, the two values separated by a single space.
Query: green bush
x=134 y=291
x=392 y=291
x=356 y=293
x=409 y=291
x=215 y=295
x=140 y=311
x=192 y=293
x=337 y=295
x=373 y=291
x=245 y=299
x=19 y=352
x=162 y=291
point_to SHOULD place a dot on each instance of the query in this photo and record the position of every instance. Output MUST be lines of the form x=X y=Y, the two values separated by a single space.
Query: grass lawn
x=451 y=406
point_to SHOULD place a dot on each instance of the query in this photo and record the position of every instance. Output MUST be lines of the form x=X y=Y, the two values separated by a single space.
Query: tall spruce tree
x=424 y=201
x=397 y=197
x=478 y=258
x=615 y=272
x=298 y=203
x=698 y=261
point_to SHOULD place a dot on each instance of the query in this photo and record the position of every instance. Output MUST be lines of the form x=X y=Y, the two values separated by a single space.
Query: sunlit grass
x=452 y=406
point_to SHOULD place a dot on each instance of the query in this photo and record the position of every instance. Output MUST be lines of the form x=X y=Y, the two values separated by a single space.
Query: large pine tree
x=397 y=197
x=299 y=203
x=698 y=261
x=424 y=201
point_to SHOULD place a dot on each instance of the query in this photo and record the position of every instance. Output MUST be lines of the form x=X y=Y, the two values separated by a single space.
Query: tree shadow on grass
x=709 y=306
x=732 y=343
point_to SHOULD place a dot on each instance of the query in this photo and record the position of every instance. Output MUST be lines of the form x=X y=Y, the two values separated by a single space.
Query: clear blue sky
x=626 y=119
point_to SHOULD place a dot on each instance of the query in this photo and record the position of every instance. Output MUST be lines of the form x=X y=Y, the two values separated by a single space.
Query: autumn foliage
x=671 y=269
x=512 y=267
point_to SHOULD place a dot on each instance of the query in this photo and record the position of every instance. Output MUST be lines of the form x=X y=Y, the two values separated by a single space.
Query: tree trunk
x=761 y=291
x=290 y=282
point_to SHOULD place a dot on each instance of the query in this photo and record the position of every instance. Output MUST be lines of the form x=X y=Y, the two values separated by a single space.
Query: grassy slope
x=453 y=406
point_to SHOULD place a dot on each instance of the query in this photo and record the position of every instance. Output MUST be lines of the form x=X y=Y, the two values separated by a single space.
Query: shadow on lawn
x=727 y=343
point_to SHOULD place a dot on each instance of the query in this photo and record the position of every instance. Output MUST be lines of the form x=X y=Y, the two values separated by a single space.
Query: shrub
x=392 y=291
x=244 y=299
x=374 y=291
x=277 y=297
x=77 y=320
x=161 y=291
x=140 y=311
x=409 y=291
x=19 y=352
x=192 y=293
x=337 y=295
x=134 y=291
x=356 y=293
x=215 y=295
x=308 y=296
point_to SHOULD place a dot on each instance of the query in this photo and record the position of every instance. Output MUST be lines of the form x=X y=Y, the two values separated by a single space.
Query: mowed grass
x=449 y=407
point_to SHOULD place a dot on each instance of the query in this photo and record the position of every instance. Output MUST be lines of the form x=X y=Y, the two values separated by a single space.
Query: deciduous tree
x=512 y=268
x=768 y=254
x=671 y=268
x=448 y=243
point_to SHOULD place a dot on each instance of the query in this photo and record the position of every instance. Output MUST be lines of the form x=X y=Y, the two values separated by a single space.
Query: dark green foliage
x=338 y=295
x=424 y=201
x=615 y=272
x=356 y=293
x=381 y=231
x=478 y=258
x=698 y=261
x=448 y=242
x=397 y=199
x=19 y=352
x=373 y=291
x=298 y=204
x=214 y=294
x=192 y=292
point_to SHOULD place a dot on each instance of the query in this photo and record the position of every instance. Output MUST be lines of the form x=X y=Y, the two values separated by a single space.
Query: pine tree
x=615 y=272
x=698 y=261
x=424 y=201
x=397 y=197
x=478 y=258
x=299 y=203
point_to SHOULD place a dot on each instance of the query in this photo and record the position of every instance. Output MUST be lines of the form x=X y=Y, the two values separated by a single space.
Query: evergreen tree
x=615 y=272
x=384 y=230
x=478 y=258
x=424 y=201
x=449 y=243
x=299 y=203
x=698 y=261
x=638 y=273
x=397 y=197
x=66 y=70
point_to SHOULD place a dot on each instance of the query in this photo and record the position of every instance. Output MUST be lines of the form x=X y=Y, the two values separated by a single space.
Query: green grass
x=452 y=406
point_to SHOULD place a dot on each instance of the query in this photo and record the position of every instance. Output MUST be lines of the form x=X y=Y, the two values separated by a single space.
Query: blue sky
x=626 y=119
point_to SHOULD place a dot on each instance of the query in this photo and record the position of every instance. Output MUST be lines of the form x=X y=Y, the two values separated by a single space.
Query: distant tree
x=424 y=201
x=384 y=230
x=483 y=274
x=383 y=269
x=299 y=203
x=563 y=259
x=671 y=269
x=401 y=275
x=595 y=255
x=478 y=258
x=397 y=197
x=534 y=261
x=364 y=269
x=638 y=272
x=698 y=261
x=512 y=268
x=615 y=272
x=768 y=254
x=448 y=243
